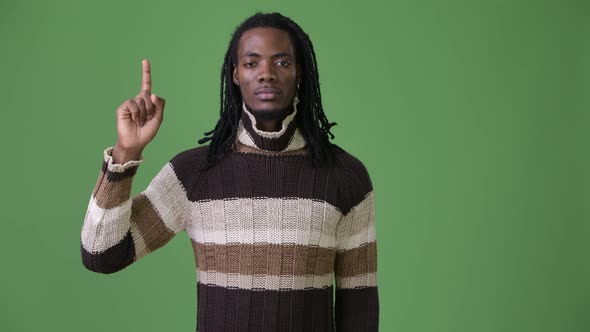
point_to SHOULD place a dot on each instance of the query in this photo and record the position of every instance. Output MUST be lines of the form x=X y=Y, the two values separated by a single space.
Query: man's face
x=266 y=71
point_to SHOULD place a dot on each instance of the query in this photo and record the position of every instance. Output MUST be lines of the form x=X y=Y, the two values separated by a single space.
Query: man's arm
x=119 y=230
x=357 y=300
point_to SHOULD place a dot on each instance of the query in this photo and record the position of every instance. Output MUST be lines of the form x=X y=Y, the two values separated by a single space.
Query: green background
x=471 y=117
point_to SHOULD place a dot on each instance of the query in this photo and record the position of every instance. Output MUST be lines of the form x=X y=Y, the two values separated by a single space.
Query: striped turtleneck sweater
x=279 y=245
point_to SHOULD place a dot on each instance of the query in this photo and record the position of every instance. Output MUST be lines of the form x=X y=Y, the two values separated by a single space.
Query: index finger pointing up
x=146 y=78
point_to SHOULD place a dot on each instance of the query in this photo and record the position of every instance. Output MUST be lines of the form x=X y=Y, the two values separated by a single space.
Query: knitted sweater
x=271 y=235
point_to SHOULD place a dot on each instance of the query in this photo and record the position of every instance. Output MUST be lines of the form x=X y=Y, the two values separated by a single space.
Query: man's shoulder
x=353 y=179
x=191 y=155
x=349 y=161
x=190 y=159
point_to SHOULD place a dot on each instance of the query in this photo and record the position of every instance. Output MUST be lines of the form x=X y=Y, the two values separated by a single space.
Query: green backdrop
x=471 y=117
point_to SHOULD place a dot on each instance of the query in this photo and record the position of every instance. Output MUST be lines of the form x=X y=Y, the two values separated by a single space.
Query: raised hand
x=138 y=120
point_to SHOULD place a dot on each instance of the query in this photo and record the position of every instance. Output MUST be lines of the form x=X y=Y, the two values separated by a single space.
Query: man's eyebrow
x=276 y=55
x=250 y=54
x=281 y=54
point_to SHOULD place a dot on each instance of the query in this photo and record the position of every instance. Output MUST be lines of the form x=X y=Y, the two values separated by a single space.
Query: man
x=274 y=210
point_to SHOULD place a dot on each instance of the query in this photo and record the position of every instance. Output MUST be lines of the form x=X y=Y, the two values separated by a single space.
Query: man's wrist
x=121 y=155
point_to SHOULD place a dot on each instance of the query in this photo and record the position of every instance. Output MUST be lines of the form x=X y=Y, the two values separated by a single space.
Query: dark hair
x=310 y=115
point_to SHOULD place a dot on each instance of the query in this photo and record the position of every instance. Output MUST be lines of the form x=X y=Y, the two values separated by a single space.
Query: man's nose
x=266 y=73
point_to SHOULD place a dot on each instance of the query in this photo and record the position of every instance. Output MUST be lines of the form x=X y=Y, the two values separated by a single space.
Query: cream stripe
x=103 y=228
x=358 y=225
x=270 y=134
x=264 y=220
x=118 y=168
x=362 y=280
x=168 y=197
x=244 y=137
x=140 y=246
x=366 y=236
x=268 y=282
x=297 y=141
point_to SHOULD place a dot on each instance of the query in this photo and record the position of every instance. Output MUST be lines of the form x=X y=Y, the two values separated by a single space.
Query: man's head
x=267 y=72
x=254 y=62
x=277 y=36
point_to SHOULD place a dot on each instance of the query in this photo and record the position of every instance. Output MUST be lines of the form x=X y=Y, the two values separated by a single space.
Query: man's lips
x=267 y=93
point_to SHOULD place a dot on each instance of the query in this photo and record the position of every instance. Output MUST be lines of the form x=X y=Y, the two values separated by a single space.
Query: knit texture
x=274 y=239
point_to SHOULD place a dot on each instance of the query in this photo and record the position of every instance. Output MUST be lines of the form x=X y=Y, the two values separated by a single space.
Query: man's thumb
x=159 y=102
x=159 y=109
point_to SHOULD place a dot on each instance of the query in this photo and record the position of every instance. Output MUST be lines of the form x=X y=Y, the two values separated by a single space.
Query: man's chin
x=270 y=113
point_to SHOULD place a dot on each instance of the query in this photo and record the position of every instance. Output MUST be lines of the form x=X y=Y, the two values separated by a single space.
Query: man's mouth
x=267 y=93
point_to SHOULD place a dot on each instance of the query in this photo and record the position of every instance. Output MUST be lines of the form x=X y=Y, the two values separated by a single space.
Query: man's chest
x=299 y=221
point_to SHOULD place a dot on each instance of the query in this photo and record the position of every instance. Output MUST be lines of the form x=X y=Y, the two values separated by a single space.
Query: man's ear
x=235 y=76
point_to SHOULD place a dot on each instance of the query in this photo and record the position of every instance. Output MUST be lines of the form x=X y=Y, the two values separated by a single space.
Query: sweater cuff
x=119 y=168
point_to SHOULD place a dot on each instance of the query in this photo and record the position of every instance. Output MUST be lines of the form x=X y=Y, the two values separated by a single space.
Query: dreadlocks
x=311 y=118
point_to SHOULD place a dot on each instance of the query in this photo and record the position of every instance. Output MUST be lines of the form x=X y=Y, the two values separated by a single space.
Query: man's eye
x=283 y=63
x=250 y=64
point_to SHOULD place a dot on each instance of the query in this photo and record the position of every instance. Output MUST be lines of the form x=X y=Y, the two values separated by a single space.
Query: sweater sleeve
x=118 y=229
x=357 y=301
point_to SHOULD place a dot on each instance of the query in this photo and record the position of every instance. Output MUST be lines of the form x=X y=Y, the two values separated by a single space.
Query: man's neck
x=270 y=121
x=268 y=125
x=270 y=137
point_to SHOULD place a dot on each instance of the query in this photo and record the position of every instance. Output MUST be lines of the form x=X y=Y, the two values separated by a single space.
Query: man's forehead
x=265 y=41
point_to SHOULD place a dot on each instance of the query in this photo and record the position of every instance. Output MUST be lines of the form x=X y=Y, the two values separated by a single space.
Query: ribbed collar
x=287 y=139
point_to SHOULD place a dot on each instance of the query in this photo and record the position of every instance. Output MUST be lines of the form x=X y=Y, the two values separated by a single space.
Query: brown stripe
x=241 y=147
x=357 y=309
x=264 y=258
x=226 y=309
x=353 y=262
x=342 y=186
x=109 y=194
x=117 y=176
x=112 y=259
x=149 y=223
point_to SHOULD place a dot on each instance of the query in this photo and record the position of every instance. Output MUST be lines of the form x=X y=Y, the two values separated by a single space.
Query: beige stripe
x=363 y=280
x=264 y=258
x=118 y=168
x=151 y=227
x=357 y=227
x=264 y=220
x=109 y=194
x=103 y=228
x=356 y=261
x=168 y=197
x=260 y=282
x=140 y=246
x=270 y=134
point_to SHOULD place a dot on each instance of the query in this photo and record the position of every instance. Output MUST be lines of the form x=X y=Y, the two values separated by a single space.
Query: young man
x=274 y=211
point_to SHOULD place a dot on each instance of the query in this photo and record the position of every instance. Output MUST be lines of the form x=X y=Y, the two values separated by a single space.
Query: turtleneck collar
x=287 y=139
